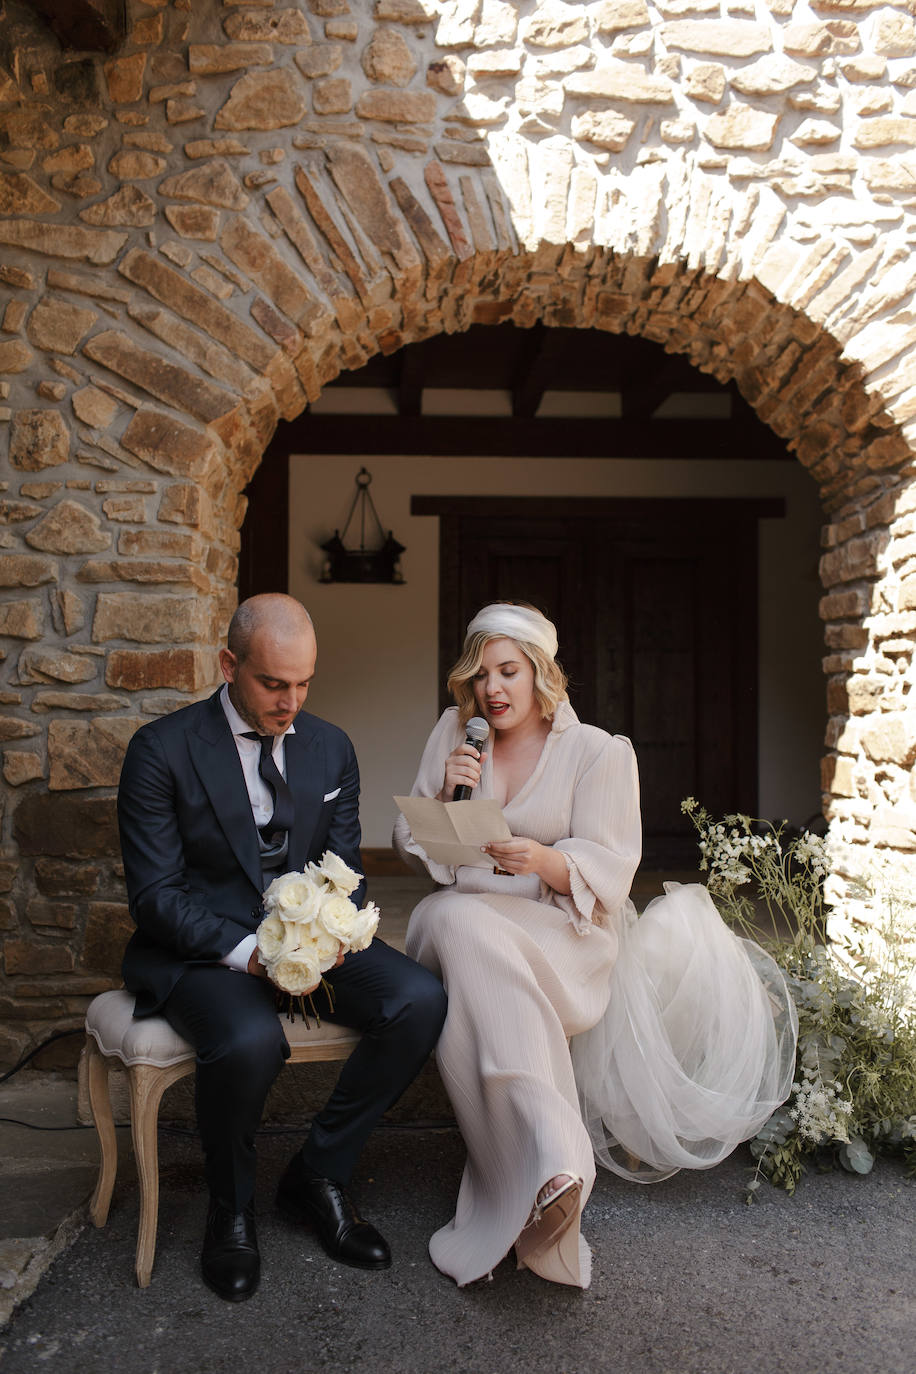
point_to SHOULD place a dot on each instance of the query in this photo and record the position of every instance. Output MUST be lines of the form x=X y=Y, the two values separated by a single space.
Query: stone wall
x=202 y=228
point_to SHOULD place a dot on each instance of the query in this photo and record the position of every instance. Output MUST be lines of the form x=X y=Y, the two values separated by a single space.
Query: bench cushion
x=151 y=1040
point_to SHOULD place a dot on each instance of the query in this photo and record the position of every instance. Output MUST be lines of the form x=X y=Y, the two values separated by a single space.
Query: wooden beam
x=410 y=381
x=474 y=436
x=702 y=509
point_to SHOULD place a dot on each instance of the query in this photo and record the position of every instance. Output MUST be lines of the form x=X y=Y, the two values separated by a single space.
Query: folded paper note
x=452 y=832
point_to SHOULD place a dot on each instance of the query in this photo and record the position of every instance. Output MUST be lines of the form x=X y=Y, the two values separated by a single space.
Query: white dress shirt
x=262 y=804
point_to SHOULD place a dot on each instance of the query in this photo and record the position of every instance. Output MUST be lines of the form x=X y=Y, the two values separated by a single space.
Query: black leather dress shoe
x=322 y=1204
x=230 y=1262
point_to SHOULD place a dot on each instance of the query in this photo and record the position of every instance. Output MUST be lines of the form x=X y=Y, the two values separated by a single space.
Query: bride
x=574 y=1029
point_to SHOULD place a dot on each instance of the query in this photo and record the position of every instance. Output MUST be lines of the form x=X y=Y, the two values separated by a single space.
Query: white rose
x=338 y=915
x=338 y=874
x=365 y=926
x=275 y=938
x=294 y=896
x=327 y=947
x=297 y=972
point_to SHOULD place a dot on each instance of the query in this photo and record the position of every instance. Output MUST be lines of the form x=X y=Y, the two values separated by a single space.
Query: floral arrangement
x=854 y=1094
x=309 y=923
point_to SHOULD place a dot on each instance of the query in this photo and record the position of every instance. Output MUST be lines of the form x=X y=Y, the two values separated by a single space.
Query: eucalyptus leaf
x=856 y=1156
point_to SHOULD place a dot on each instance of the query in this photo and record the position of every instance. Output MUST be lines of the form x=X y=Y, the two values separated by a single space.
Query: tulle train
x=696 y=1048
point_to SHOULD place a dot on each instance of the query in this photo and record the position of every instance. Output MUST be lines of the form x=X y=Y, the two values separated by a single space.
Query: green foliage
x=854 y=1094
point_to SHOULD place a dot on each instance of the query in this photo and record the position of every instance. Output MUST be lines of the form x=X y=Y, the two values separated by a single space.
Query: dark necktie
x=277 y=786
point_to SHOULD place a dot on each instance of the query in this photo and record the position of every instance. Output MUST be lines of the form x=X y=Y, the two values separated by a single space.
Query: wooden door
x=656 y=608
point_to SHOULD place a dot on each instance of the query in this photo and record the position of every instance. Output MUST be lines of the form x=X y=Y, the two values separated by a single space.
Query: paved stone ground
x=687 y=1279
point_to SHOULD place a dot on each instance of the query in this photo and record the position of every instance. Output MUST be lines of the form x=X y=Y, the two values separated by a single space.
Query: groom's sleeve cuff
x=238 y=958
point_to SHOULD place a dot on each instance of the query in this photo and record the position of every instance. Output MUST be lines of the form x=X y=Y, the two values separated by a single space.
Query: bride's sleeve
x=428 y=783
x=605 y=844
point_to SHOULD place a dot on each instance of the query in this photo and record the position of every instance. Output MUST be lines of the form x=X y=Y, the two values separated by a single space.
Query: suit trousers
x=230 y=1018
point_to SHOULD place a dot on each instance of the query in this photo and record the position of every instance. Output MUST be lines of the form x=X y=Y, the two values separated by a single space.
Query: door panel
x=655 y=606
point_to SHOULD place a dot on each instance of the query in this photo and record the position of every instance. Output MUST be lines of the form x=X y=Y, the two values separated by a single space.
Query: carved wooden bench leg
x=100 y=1105
x=147 y=1084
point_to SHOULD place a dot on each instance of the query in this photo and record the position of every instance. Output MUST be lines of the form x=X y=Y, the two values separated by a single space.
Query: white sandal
x=551 y=1214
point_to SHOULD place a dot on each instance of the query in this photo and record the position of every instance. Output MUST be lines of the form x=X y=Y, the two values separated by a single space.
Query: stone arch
x=202 y=230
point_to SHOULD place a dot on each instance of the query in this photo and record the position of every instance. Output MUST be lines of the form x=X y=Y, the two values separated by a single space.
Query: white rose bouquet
x=309 y=922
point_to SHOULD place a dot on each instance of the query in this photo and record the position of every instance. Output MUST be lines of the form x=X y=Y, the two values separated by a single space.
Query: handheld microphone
x=476 y=733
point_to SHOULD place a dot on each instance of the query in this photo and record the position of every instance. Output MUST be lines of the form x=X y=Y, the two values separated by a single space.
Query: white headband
x=516 y=622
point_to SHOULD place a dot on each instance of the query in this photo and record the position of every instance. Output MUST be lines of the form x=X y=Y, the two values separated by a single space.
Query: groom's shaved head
x=281 y=616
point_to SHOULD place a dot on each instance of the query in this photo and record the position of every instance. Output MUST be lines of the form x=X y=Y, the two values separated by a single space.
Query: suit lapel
x=305 y=773
x=216 y=761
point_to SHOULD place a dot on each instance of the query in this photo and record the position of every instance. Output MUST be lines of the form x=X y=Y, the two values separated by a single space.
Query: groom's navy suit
x=193 y=869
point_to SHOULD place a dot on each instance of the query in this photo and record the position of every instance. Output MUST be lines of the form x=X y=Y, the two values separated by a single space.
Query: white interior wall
x=378 y=646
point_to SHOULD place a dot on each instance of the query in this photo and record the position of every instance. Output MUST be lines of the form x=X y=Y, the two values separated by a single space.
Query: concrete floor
x=687 y=1278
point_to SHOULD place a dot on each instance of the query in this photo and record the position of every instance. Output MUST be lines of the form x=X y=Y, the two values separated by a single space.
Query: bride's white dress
x=574 y=1028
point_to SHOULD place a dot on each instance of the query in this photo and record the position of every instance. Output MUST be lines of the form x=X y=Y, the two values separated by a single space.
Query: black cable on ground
x=56 y=1035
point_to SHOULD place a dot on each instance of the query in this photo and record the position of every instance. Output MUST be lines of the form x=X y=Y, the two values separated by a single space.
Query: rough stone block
x=892 y=740
x=63 y=240
x=55 y=665
x=26 y=570
x=865 y=694
x=320 y=59
x=20 y=195
x=333 y=95
x=134 y=670
x=606 y=129
x=213 y=183
x=76 y=701
x=214 y=59
x=616 y=15
x=742 y=126
x=53 y=915
x=555 y=25
x=15 y=357
x=22 y=619
x=39 y=439
x=61 y=878
x=182 y=504
x=12 y=728
x=86 y=753
x=148 y=618
x=388 y=59
x=736 y=38
x=21 y=765
x=95 y=408
x=21 y=956
x=822 y=40
x=283 y=26
x=837 y=776
x=159 y=377
x=66 y=827
x=623 y=81
x=880 y=133
x=108 y=929
x=845 y=605
x=194 y=221
x=263 y=100
x=851 y=561
x=125 y=78
x=69 y=528
x=397 y=107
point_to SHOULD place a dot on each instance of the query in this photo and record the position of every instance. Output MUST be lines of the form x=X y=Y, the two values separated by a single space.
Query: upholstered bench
x=154 y=1056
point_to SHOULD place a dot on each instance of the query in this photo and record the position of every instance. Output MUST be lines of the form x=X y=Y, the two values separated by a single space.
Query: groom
x=215 y=800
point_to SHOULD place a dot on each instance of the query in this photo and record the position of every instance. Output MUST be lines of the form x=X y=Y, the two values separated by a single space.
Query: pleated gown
x=525 y=968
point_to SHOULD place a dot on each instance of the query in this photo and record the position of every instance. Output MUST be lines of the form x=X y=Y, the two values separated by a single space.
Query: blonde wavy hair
x=550 y=681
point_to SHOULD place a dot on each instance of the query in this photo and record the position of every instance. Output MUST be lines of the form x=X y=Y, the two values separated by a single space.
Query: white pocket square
x=329 y=796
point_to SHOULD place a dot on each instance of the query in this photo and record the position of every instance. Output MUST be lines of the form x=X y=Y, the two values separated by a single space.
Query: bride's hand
x=520 y=856
x=462 y=769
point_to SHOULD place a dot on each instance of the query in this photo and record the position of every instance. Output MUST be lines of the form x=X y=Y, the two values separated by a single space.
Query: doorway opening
x=642 y=504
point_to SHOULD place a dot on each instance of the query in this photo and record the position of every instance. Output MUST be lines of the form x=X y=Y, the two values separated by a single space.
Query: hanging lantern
x=378 y=564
